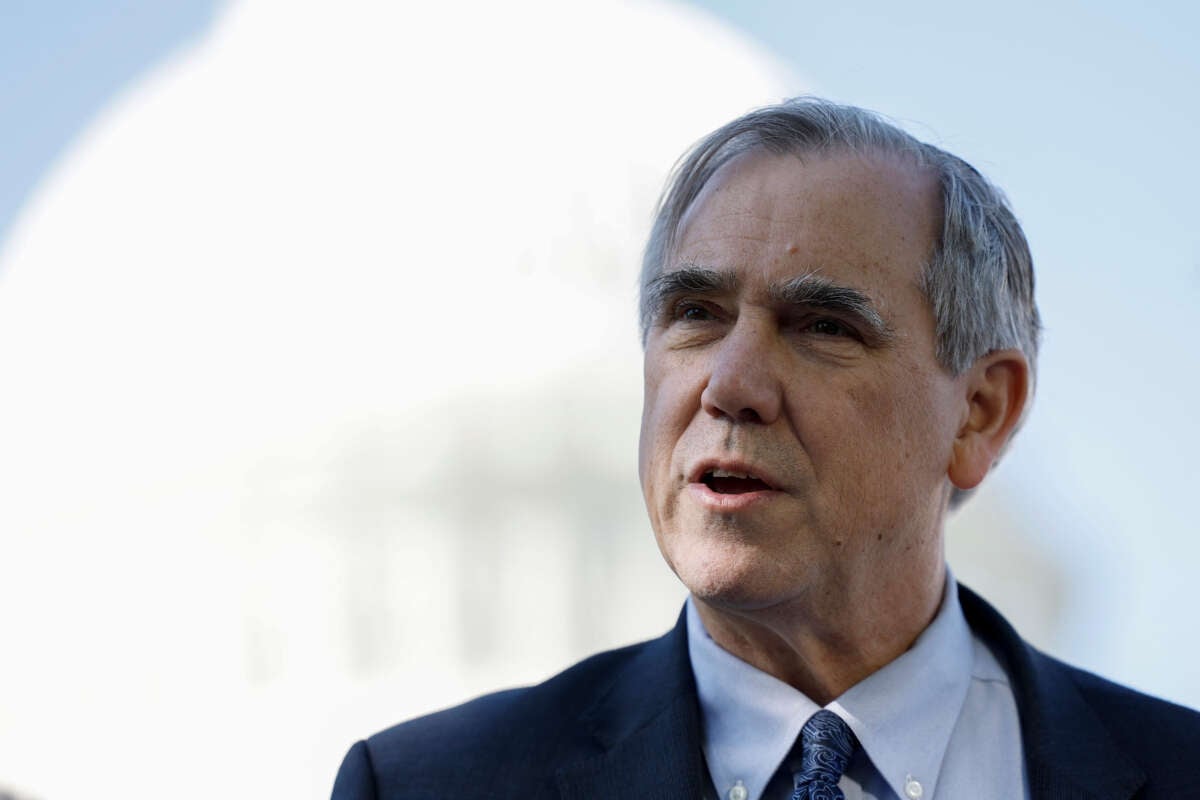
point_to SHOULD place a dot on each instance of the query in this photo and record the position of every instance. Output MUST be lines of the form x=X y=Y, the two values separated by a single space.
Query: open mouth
x=725 y=482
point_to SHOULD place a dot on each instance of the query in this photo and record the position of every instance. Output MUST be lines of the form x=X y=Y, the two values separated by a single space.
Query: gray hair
x=979 y=279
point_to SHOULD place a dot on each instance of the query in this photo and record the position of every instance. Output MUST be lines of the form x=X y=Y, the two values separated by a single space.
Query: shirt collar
x=903 y=714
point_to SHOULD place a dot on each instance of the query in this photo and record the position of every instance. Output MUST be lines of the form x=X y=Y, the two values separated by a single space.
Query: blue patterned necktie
x=826 y=744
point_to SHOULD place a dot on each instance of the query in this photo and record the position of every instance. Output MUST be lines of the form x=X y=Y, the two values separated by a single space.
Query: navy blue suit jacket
x=626 y=723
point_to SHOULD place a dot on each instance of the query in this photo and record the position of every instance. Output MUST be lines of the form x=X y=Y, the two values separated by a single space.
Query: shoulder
x=510 y=738
x=493 y=721
x=1128 y=709
x=1043 y=680
x=1162 y=736
x=1081 y=729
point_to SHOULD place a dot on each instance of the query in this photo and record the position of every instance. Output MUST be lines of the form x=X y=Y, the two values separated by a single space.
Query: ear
x=997 y=388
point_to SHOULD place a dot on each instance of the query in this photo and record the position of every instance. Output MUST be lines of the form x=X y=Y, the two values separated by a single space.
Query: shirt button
x=738 y=792
x=913 y=788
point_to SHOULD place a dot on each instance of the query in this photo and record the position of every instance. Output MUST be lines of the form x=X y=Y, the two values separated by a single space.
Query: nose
x=743 y=384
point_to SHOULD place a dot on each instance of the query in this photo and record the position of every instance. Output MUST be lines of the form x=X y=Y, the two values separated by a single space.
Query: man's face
x=797 y=427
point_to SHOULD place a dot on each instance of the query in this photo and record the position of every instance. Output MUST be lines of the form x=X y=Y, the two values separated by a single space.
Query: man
x=840 y=339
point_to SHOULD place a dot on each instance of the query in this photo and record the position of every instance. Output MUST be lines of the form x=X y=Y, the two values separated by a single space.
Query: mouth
x=724 y=481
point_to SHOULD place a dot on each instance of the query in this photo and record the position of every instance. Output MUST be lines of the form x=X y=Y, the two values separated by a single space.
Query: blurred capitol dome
x=323 y=380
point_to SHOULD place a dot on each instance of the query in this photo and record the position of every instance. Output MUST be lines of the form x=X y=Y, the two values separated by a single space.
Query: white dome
x=289 y=324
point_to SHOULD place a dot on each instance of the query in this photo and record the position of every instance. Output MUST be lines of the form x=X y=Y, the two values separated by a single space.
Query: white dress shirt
x=938 y=722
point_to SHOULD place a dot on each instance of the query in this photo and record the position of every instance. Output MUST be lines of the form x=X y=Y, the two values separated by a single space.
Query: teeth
x=724 y=473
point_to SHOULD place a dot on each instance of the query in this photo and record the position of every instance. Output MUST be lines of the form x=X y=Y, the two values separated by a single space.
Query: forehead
x=860 y=219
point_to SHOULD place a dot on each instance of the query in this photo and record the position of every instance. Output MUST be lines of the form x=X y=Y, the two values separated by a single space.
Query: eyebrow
x=819 y=292
x=688 y=279
x=810 y=290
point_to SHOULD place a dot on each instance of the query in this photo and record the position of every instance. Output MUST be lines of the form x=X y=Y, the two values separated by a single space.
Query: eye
x=830 y=327
x=691 y=311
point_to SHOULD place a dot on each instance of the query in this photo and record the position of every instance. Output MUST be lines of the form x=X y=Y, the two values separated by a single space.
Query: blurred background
x=321 y=379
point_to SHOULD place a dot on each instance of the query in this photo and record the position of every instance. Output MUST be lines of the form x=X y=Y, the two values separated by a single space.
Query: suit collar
x=647 y=725
x=1068 y=751
x=648 y=729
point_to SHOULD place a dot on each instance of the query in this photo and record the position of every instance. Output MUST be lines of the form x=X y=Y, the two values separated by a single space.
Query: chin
x=732 y=575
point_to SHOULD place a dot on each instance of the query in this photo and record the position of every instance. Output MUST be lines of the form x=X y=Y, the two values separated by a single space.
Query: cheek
x=646 y=435
x=658 y=436
x=654 y=461
x=903 y=424
x=667 y=408
x=645 y=444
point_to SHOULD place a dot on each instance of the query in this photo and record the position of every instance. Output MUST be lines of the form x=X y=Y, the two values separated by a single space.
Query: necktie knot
x=826 y=744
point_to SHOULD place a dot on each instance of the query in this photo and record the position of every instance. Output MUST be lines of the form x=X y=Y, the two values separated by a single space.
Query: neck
x=823 y=643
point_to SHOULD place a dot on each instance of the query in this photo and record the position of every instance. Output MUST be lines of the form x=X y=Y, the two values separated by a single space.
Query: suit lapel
x=1068 y=751
x=647 y=727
